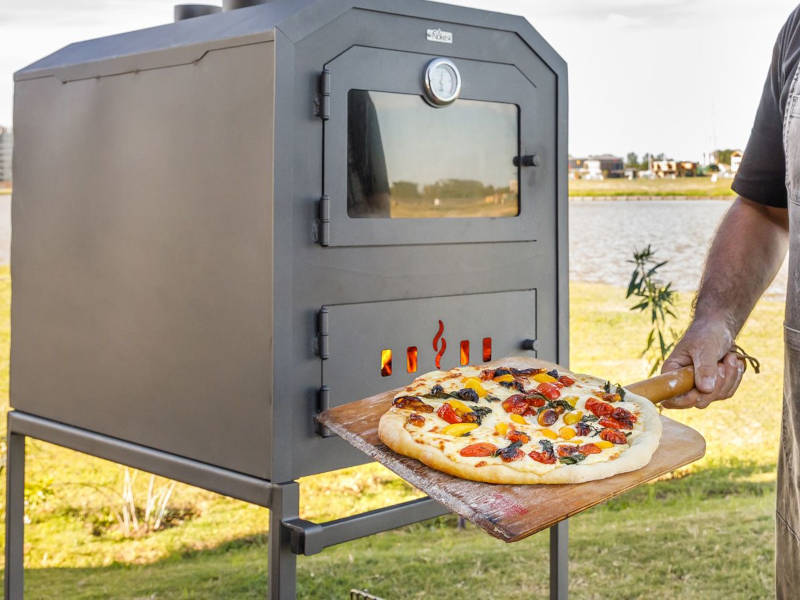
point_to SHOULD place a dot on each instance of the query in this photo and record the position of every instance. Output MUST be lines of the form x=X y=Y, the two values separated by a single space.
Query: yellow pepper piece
x=576 y=441
x=518 y=419
x=573 y=417
x=475 y=384
x=567 y=433
x=501 y=428
x=544 y=378
x=548 y=433
x=603 y=444
x=459 y=406
x=459 y=429
x=507 y=378
x=573 y=400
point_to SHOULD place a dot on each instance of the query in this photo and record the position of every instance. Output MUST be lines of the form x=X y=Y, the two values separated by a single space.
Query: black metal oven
x=226 y=224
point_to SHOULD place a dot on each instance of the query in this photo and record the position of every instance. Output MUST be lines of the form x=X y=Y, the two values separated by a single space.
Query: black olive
x=553 y=374
x=502 y=371
x=436 y=390
x=468 y=395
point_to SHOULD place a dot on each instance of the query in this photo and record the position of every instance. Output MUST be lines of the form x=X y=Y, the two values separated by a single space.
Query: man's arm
x=747 y=251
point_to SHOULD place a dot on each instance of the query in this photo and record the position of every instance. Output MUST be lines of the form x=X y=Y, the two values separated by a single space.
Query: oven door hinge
x=323 y=404
x=321 y=231
x=324 y=95
x=321 y=342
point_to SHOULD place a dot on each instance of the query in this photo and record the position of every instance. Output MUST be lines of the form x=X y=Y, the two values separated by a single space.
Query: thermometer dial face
x=442 y=82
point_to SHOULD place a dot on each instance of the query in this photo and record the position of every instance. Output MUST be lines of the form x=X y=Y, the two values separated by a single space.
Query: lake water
x=603 y=235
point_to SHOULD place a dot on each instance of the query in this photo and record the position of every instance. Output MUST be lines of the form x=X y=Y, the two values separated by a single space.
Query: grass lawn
x=701 y=187
x=704 y=532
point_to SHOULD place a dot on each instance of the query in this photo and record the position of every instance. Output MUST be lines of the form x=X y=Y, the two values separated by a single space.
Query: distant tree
x=645 y=164
x=405 y=189
x=659 y=156
x=724 y=156
x=632 y=160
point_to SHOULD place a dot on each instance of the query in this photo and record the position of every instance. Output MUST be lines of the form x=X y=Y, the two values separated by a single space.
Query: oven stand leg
x=15 y=515
x=282 y=561
x=559 y=560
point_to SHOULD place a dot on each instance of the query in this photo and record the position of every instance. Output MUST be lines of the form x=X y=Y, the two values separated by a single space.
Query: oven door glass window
x=407 y=159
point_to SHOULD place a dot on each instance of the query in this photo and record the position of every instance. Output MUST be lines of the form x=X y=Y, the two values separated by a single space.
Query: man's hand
x=717 y=370
x=746 y=253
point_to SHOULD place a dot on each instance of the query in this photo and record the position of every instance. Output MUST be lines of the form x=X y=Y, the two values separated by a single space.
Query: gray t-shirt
x=762 y=175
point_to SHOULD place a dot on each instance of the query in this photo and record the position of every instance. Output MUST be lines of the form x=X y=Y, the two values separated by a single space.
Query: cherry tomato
x=479 y=449
x=566 y=381
x=611 y=423
x=600 y=409
x=622 y=414
x=548 y=390
x=615 y=437
x=535 y=400
x=447 y=413
x=589 y=449
x=509 y=457
x=516 y=404
x=412 y=403
x=416 y=420
x=518 y=436
x=567 y=450
x=547 y=417
x=542 y=457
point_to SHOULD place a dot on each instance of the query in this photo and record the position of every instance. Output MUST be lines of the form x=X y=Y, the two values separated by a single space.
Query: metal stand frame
x=289 y=535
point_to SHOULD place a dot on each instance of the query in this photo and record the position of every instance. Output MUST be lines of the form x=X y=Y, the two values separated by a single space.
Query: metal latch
x=526 y=160
x=324 y=98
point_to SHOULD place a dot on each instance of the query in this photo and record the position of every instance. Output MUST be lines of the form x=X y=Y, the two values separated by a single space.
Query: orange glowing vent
x=464 y=352
x=411 y=359
x=439 y=349
x=487 y=349
x=386 y=363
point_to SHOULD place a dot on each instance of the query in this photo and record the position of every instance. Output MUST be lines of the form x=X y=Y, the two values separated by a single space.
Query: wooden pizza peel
x=513 y=512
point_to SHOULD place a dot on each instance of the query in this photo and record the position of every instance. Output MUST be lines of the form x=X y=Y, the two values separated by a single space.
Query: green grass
x=698 y=187
x=703 y=532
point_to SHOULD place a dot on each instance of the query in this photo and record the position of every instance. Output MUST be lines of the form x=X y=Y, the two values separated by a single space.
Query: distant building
x=597 y=166
x=674 y=168
x=6 y=145
x=736 y=160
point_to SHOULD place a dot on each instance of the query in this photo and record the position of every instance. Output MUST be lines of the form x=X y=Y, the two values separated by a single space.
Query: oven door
x=398 y=169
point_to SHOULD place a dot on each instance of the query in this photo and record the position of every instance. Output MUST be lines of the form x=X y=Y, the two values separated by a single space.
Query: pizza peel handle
x=665 y=386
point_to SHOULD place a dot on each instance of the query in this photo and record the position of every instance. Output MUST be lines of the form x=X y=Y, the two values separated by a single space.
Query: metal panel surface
x=142 y=256
x=435 y=327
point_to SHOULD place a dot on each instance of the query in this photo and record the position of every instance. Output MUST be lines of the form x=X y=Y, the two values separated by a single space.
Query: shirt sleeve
x=762 y=173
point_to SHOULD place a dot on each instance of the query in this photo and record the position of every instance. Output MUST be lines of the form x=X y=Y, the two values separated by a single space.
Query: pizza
x=512 y=425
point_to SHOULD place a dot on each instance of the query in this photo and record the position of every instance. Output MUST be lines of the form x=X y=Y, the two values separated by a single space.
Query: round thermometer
x=442 y=82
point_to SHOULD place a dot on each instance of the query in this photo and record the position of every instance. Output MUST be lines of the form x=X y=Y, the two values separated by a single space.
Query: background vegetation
x=692 y=187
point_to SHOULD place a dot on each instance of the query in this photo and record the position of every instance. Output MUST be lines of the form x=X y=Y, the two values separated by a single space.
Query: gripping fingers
x=729 y=375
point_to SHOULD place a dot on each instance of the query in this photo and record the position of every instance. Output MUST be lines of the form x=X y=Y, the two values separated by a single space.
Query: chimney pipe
x=190 y=11
x=234 y=4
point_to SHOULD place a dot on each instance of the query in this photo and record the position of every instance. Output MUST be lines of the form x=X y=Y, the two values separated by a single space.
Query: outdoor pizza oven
x=223 y=225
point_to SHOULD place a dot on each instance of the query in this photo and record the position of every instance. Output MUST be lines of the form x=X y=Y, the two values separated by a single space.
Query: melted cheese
x=453 y=381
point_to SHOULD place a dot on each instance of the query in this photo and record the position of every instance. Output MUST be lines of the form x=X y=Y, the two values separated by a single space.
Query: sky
x=681 y=77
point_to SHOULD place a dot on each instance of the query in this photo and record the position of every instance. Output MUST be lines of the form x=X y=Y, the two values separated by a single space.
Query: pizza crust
x=392 y=431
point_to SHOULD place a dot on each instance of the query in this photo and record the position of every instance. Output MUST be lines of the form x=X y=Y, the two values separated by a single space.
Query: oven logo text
x=440 y=35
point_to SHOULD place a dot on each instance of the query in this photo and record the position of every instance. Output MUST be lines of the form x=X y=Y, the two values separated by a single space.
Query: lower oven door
x=368 y=348
x=401 y=169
